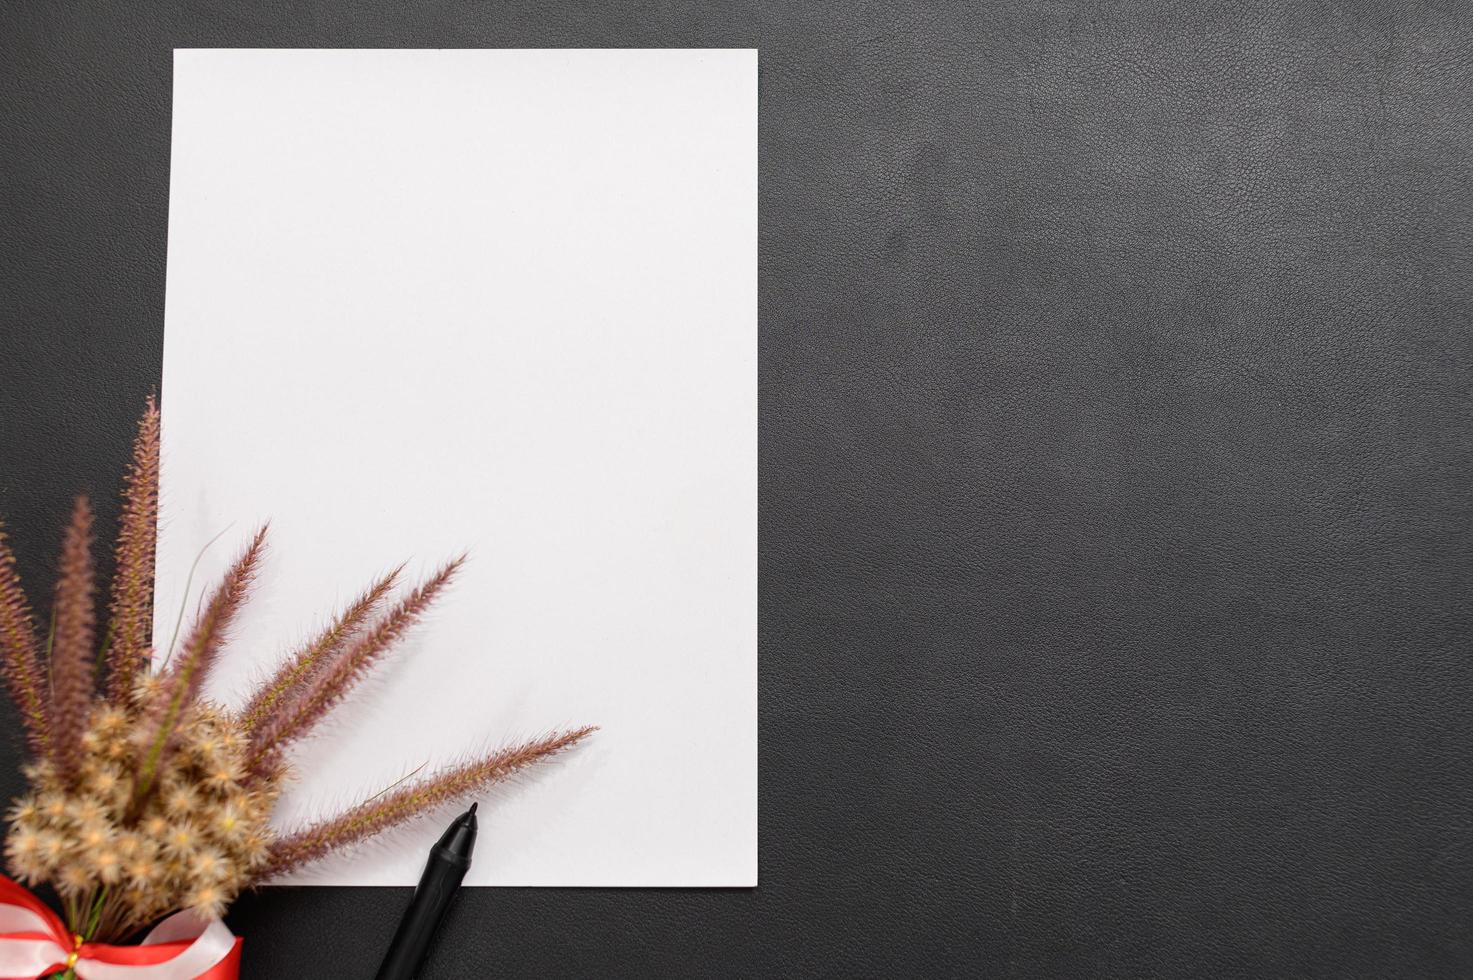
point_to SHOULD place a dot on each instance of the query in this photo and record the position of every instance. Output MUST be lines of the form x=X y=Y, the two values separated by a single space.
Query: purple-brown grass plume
x=74 y=615
x=132 y=587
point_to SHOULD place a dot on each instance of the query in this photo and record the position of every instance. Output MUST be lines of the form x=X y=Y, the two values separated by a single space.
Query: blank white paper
x=421 y=302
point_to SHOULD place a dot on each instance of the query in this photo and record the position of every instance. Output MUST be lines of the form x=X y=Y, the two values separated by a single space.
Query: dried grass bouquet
x=145 y=798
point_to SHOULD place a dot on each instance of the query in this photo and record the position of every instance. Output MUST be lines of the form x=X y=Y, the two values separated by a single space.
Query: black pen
x=449 y=860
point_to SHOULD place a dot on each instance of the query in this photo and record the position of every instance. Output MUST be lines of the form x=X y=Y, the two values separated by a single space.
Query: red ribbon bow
x=34 y=942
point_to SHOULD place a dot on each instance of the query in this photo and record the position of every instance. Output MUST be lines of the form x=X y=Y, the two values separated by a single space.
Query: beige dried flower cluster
x=145 y=798
x=195 y=843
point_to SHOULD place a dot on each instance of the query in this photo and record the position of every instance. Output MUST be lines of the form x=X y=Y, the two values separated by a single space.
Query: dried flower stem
x=19 y=658
x=380 y=813
x=132 y=589
x=182 y=683
x=71 y=648
x=291 y=679
x=337 y=678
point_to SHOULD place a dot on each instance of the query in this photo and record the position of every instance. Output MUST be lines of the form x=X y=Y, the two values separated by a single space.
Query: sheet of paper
x=503 y=301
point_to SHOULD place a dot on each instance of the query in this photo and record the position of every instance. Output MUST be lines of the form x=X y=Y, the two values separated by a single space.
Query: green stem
x=96 y=913
x=72 y=917
x=87 y=934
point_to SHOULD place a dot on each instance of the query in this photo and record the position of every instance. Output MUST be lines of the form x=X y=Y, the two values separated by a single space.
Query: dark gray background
x=1115 y=449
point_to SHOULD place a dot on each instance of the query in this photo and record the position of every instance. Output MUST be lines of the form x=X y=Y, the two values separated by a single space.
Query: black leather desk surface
x=1116 y=534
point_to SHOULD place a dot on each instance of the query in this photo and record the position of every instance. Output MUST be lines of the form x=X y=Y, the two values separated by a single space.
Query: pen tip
x=473 y=807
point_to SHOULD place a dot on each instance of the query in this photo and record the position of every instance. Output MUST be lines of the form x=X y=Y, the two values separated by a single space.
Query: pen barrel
x=436 y=890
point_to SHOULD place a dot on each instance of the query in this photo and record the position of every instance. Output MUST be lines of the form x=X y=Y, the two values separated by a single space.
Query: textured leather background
x=1117 y=539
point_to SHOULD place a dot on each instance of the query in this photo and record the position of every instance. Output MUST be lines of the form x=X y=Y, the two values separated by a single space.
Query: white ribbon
x=26 y=958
